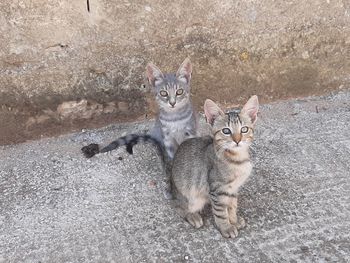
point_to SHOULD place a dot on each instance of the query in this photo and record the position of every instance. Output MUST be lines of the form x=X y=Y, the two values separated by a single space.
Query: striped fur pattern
x=129 y=141
x=212 y=169
x=176 y=120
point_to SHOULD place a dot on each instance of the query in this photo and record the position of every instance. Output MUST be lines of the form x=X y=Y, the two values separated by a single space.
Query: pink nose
x=236 y=137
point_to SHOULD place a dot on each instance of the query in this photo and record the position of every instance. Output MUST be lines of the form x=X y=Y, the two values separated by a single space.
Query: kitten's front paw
x=240 y=223
x=229 y=231
x=195 y=220
x=168 y=195
x=167 y=191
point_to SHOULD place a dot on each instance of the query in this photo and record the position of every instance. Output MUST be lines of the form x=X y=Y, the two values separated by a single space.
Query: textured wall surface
x=65 y=62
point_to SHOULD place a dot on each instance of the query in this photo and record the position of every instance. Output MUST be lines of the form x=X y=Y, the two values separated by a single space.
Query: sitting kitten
x=211 y=169
x=176 y=120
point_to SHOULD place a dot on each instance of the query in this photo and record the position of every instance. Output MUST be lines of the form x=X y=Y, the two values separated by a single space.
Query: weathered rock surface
x=55 y=52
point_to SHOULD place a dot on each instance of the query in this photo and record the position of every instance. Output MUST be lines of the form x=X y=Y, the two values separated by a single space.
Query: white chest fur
x=177 y=130
x=237 y=175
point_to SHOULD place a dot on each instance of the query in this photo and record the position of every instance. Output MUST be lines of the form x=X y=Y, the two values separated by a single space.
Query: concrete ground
x=57 y=206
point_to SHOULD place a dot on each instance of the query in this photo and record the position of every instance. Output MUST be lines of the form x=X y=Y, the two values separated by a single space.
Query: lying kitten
x=211 y=169
x=176 y=120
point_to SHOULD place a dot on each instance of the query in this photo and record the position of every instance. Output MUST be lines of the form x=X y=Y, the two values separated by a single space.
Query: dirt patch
x=15 y=129
x=18 y=126
x=26 y=122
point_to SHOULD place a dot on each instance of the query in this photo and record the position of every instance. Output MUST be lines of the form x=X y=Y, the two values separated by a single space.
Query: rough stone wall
x=69 y=64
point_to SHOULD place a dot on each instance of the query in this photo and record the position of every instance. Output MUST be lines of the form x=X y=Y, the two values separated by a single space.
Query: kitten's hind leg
x=195 y=219
x=170 y=146
x=195 y=205
x=167 y=183
x=189 y=209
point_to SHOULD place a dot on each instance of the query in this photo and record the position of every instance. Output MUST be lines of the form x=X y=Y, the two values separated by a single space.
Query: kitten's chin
x=239 y=147
x=236 y=148
x=169 y=108
x=237 y=152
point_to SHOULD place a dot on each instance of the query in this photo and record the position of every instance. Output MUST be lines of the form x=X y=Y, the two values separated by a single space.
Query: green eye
x=244 y=129
x=226 y=131
x=163 y=93
x=179 y=92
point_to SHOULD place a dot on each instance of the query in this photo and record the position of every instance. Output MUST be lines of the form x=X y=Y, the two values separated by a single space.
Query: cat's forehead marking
x=170 y=81
x=233 y=116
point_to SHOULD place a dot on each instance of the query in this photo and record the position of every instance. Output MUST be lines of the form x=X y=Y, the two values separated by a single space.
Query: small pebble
x=120 y=158
x=305 y=55
x=152 y=183
x=304 y=248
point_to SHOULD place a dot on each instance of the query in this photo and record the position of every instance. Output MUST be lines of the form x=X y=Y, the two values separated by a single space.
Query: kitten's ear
x=251 y=108
x=212 y=111
x=154 y=75
x=185 y=71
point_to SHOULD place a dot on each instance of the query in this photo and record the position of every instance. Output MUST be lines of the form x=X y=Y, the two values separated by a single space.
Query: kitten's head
x=172 y=90
x=233 y=131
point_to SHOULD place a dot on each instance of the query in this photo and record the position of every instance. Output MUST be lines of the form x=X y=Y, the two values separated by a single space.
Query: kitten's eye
x=163 y=93
x=226 y=131
x=244 y=129
x=179 y=92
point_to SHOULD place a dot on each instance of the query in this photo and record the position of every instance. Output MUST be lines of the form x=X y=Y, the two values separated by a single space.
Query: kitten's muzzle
x=172 y=102
x=236 y=137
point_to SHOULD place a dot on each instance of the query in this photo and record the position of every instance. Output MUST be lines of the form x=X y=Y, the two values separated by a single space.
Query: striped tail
x=129 y=141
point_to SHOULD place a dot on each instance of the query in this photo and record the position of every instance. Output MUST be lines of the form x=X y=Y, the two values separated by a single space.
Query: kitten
x=211 y=169
x=176 y=120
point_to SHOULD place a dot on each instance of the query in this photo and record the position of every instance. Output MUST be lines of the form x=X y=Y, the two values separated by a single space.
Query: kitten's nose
x=237 y=137
x=172 y=102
